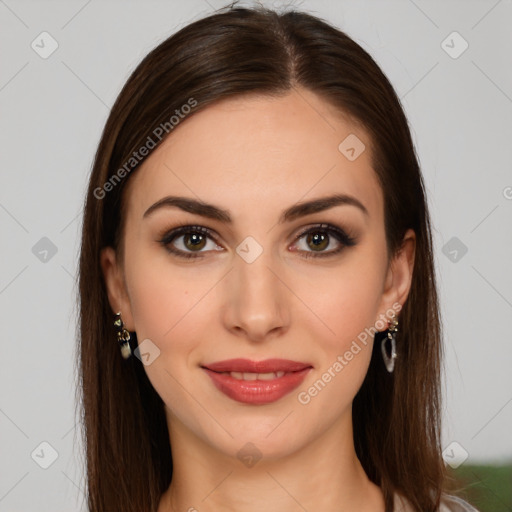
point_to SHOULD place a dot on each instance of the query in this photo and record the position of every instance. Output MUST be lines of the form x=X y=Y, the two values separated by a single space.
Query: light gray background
x=52 y=113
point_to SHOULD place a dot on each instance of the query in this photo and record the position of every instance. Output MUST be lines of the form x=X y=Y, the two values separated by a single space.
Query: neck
x=324 y=475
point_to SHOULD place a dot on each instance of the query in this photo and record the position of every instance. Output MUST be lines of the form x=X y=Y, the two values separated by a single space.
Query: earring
x=389 y=361
x=123 y=336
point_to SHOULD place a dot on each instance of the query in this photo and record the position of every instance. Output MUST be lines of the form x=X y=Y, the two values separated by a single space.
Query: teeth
x=255 y=376
x=266 y=376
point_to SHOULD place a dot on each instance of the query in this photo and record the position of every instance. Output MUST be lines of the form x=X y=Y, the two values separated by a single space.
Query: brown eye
x=317 y=241
x=319 y=238
x=194 y=241
x=189 y=241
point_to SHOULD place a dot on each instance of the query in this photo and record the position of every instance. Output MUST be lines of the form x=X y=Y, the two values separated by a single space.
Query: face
x=256 y=276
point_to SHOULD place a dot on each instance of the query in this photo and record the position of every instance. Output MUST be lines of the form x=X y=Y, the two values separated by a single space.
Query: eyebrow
x=297 y=210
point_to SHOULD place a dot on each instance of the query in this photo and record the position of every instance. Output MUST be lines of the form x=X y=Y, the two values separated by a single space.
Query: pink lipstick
x=257 y=382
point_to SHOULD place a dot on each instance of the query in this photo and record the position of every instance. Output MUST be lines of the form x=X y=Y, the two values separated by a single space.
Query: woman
x=256 y=237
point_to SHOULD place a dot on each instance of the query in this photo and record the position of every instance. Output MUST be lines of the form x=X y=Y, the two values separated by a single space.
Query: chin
x=267 y=438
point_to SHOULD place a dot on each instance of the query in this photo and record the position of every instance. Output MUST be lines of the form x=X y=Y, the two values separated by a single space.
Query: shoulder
x=451 y=503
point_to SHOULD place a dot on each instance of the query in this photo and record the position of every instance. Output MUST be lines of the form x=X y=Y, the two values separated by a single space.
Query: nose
x=256 y=303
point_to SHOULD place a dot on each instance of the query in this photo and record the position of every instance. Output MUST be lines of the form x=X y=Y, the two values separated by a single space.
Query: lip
x=265 y=366
x=257 y=392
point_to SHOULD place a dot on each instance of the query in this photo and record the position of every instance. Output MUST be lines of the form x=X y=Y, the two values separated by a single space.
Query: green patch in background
x=487 y=487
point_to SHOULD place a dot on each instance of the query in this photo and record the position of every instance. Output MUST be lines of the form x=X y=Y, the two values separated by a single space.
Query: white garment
x=449 y=503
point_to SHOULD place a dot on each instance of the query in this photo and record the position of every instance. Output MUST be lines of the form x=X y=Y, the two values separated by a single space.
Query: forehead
x=252 y=151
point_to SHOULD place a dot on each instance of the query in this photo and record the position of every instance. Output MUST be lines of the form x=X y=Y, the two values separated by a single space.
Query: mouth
x=257 y=382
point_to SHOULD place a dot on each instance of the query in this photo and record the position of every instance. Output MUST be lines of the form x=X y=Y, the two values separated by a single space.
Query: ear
x=399 y=275
x=116 y=287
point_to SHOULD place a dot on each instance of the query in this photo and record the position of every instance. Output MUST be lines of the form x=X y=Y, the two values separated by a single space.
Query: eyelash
x=340 y=235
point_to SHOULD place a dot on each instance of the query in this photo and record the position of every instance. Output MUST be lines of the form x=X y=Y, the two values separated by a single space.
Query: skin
x=256 y=156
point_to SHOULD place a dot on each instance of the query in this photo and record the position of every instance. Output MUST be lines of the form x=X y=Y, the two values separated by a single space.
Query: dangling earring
x=123 y=336
x=389 y=361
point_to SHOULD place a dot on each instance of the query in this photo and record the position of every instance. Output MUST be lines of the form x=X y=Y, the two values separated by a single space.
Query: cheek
x=169 y=307
x=344 y=350
x=345 y=300
x=172 y=305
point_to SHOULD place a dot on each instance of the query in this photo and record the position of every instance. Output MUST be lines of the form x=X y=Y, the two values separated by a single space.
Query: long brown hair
x=233 y=52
